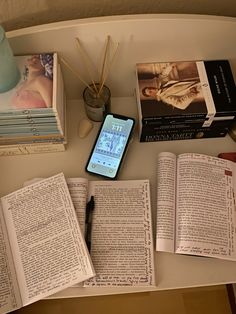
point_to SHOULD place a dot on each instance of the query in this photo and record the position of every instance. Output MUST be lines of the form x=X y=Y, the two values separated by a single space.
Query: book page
x=205 y=206
x=9 y=291
x=166 y=187
x=78 y=188
x=48 y=246
x=122 y=240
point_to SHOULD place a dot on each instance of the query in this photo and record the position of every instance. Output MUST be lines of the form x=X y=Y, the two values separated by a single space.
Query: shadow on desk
x=205 y=300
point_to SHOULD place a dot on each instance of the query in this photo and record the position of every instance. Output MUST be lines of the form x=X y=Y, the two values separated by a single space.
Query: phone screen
x=110 y=145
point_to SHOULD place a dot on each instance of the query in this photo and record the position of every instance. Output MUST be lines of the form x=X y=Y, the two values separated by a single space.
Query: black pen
x=88 y=222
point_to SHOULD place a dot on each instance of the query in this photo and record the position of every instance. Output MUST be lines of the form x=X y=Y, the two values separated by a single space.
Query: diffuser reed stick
x=108 y=70
x=87 y=62
x=104 y=61
x=76 y=74
x=108 y=59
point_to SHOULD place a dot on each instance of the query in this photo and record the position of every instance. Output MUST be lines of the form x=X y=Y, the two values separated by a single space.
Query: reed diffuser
x=96 y=95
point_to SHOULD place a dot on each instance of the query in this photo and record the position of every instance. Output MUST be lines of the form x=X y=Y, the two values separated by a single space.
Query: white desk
x=207 y=38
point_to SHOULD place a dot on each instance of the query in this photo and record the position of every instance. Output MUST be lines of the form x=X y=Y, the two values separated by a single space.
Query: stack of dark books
x=32 y=114
x=185 y=100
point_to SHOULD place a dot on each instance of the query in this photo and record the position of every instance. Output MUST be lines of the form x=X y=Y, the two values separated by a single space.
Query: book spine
x=46 y=127
x=29 y=132
x=217 y=123
x=26 y=121
x=175 y=118
x=18 y=117
x=33 y=139
x=217 y=93
x=26 y=149
x=182 y=134
x=27 y=112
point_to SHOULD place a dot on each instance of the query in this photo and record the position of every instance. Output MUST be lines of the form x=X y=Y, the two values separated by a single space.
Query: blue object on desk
x=9 y=72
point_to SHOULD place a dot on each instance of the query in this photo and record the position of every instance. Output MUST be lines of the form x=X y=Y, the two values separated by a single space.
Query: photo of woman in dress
x=35 y=90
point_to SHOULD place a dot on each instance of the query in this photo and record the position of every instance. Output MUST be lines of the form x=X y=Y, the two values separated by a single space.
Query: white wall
x=16 y=14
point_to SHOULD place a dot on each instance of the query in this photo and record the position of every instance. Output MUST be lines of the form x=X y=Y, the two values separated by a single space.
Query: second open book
x=196 y=211
x=121 y=239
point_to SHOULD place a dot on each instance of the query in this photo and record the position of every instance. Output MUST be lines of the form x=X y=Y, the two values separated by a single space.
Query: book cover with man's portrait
x=170 y=88
x=185 y=88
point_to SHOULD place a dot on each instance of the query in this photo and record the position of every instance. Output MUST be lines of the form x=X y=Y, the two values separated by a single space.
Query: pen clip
x=89 y=208
x=88 y=222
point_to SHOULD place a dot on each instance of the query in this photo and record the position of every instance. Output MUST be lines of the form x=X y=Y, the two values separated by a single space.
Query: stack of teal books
x=32 y=114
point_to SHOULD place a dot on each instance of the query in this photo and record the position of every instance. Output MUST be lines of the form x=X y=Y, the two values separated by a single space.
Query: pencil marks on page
x=78 y=188
x=166 y=171
x=122 y=248
x=49 y=246
x=9 y=299
x=205 y=208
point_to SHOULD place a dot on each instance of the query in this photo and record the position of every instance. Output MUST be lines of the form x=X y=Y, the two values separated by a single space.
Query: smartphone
x=110 y=145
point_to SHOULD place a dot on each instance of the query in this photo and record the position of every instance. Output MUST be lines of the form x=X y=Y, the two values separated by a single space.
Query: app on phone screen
x=110 y=146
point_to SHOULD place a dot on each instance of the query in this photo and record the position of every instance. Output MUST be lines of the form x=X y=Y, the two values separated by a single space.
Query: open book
x=196 y=205
x=122 y=249
x=42 y=249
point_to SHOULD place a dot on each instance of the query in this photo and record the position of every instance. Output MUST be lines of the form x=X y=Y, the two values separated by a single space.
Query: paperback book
x=42 y=247
x=34 y=148
x=197 y=94
x=39 y=95
x=196 y=205
x=28 y=127
x=121 y=245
